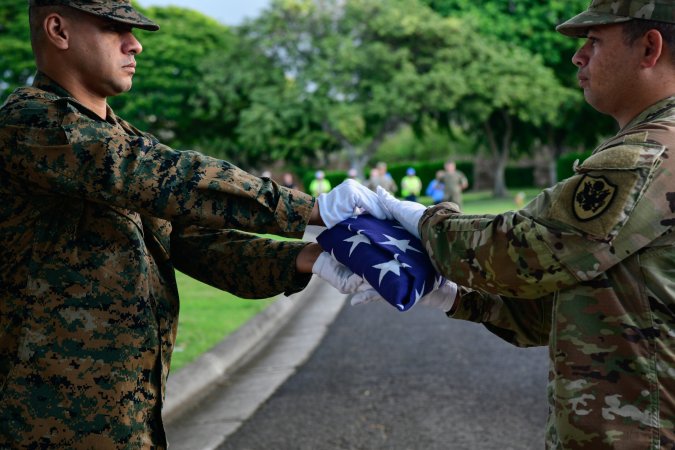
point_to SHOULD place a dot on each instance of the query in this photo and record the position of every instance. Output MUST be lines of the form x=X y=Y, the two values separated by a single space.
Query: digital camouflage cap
x=117 y=10
x=606 y=12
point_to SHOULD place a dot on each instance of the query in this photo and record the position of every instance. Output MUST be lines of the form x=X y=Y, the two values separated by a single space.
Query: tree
x=16 y=57
x=251 y=113
x=510 y=89
x=364 y=68
x=167 y=70
x=531 y=24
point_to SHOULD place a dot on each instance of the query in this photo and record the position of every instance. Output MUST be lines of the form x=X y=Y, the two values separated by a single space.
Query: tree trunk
x=500 y=153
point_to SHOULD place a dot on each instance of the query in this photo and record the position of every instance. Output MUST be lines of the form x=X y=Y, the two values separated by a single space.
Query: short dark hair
x=636 y=28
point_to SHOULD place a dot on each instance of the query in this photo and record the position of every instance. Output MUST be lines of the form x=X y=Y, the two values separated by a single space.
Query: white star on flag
x=401 y=244
x=356 y=240
x=391 y=266
x=419 y=294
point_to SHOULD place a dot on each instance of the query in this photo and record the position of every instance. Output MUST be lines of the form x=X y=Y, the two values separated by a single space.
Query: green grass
x=207 y=315
x=483 y=203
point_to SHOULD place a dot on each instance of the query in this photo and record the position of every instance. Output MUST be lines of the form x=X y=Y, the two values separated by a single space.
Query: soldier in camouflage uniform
x=95 y=217
x=588 y=267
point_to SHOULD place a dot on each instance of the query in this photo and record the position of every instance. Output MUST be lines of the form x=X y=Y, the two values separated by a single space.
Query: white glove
x=442 y=298
x=342 y=202
x=338 y=275
x=366 y=294
x=406 y=213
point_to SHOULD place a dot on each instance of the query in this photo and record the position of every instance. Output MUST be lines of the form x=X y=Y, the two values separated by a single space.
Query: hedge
x=519 y=177
x=565 y=166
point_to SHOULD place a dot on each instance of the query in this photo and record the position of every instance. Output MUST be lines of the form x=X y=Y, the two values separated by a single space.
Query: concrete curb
x=192 y=383
x=235 y=397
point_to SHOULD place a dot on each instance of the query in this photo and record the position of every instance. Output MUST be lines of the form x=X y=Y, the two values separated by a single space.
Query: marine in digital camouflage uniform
x=94 y=218
x=587 y=268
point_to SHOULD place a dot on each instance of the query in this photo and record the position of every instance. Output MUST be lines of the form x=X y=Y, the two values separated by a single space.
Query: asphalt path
x=382 y=379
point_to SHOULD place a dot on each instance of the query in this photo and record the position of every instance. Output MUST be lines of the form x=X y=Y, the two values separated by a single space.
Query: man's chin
x=120 y=89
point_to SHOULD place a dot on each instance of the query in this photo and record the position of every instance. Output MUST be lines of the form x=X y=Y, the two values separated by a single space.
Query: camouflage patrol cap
x=116 y=10
x=606 y=12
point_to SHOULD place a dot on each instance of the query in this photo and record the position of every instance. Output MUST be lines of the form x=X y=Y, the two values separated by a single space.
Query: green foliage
x=365 y=67
x=432 y=144
x=252 y=110
x=527 y=23
x=16 y=57
x=167 y=70
x=530 y=24
x=519 y=177
x=386 y=80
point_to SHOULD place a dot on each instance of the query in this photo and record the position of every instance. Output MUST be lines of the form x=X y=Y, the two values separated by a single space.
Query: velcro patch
x=596 y=203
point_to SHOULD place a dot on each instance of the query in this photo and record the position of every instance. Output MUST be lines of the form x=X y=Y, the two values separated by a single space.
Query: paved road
x=387 y=380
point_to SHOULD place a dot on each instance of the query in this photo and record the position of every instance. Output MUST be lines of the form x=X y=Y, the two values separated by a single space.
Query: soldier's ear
x=56 y=31
x=653 y=48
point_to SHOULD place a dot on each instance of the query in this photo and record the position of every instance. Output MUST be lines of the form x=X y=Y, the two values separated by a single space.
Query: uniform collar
x=43 y=82
x=662 y=108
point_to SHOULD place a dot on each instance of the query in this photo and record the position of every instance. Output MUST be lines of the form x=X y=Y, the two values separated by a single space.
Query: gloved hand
x=337 y=275
x=406 y=213
x=442 y=298
x=342 y=202
x=366 y=294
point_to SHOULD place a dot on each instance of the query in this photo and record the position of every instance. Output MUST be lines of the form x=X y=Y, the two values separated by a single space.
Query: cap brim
x=126 y=15
x=578 y=25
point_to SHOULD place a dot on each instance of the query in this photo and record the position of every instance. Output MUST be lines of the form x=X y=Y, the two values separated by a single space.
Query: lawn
x=207 y=314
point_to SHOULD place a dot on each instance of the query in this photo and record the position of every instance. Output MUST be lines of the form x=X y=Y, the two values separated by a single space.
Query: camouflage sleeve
x=103 y=163
x=523 y=323
x=243 y=264
x=502 y=255
x=567 y=235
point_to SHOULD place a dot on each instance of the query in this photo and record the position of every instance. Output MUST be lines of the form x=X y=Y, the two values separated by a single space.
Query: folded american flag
x=390 y=258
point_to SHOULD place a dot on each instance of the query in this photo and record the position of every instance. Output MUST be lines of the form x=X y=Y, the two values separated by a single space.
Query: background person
x=353 y=174
x=288 y=181
x=454 y=182
x=96 y=217
x=319 y=185
x=436 y=188
x=380 y=177
x=386 y=180
x=411 y=185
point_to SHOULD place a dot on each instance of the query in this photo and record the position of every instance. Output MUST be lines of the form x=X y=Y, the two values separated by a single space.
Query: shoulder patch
x=592 y=197
x=597 y=203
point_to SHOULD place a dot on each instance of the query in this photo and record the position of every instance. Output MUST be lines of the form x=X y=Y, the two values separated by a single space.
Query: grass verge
x=207 y=315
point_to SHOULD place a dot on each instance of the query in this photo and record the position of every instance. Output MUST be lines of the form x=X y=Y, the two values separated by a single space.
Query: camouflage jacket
x=587 y=268
x=95 y=216
x=454 y=185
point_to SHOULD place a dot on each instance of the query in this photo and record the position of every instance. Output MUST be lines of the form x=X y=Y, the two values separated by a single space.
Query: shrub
x=519 y=177
x=565 y=166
